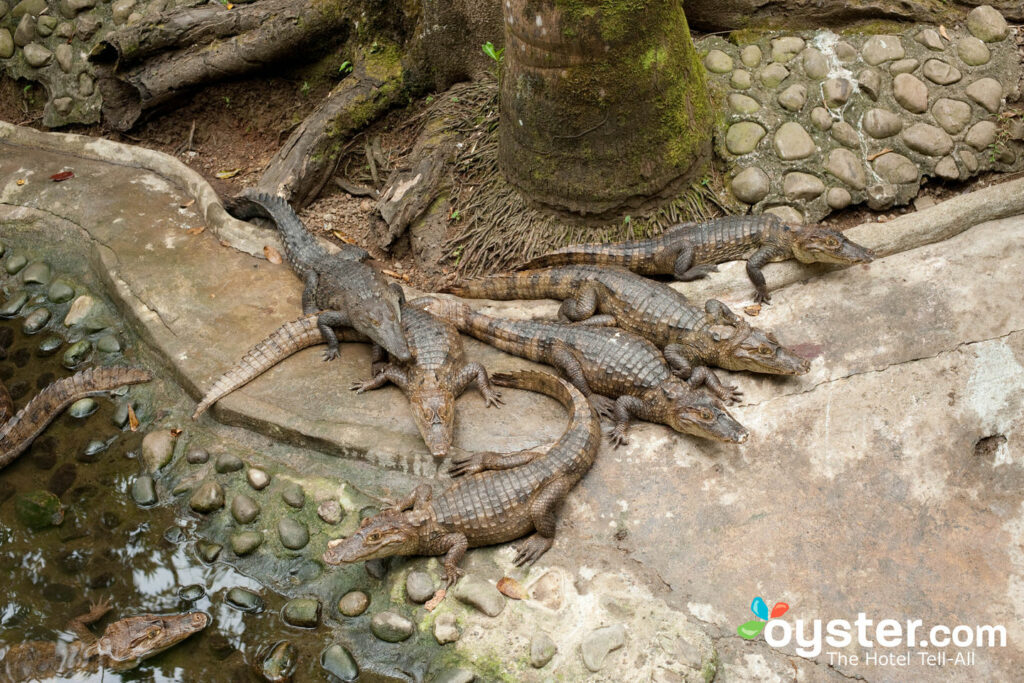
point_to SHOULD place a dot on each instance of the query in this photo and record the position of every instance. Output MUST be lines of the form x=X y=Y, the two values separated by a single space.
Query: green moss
x=710 y=668
x=615 y=18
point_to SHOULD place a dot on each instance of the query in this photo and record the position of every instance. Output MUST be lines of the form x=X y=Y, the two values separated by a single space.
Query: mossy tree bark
x=603 y=102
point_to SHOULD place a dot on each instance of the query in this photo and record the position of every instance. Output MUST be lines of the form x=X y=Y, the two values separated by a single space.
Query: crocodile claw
x=730 y=394
x=618 y=437
x=466 y=465
x=493 y=398
x=530 y=550
x=604 y=406
x=330 y=354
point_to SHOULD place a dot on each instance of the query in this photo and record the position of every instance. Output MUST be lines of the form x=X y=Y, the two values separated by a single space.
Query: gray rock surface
x=930 y=38
x=972 y=51
x=910 y=92
x=750 y=56
x=718 y=62
x=600 y=643
x=802 y=186
x=478 y=593
x=293 y=534
x=952 y=115
x=938 y=71
x=353 y=603
x=836 y=91
x=742 y=104
x=844 y=165
x=773 y=74
x=791 y=142
x=981 y=135
x=815 y=64
x=846 y=135
x=881 y=123
x=895 y=168
x=244 y=509
x=157 y=449
x=446 y=629
x=838 y=197
x=742 y=137
x=750 y=185
x=419 y=586
x=986 y=23
x=926 y=139
x=793 y=97
x=882 y=48
x=542 y=649
x=987 y=92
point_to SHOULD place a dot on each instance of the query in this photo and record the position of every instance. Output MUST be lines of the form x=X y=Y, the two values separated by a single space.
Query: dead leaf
x=188 y=203
x=271 y=254
x=342 y=236
x=133 y=421
x=512 y=588
x=224 y=175
x=874 y=156
x=942 y=32
x=436 y=600
x=196 y=230
x=398 y=276
x=225 y=243
x=63 y=175
x=176 y=432
x=753 y=311
x=21 y=181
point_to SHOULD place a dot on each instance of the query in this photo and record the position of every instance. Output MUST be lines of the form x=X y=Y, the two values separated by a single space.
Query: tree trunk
x=603 y=104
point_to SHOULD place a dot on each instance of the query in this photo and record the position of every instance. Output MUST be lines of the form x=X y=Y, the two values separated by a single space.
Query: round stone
x=76 y=354
x=981 y=135
x=391 y=626
x=353 y=603
x=844 y=165
x=881 y=196
x=785 y=48
x=787 y=214
x=792 y=142
x=144 y=490
x=37 y=273
x=245 y=542
x=36 y=55
x=542 y=649
x=952 y=115
x=244 y=509
x=419 y=586
x=986 y=23
x=845 y=52
x=446 y=629
x=987 y=92
x=750 y=56
x=881 y=123
x=302 y=612
x=13 y=305
x=821 y=119
x=802 y=186
x=62 y=105
x=86 y=85
x=815 y=64
x=969 y=159
x=60 y=291
x=293 y=533
x=65 y=57
x=741 y=80
x=83 y=407
x=836 y=91
x=197 y=456
x=120 y=10
x=192 y=592
x=15 y=262
x=929 y=37
x=750 y=185
x=339 y=663
x=35 y=321
x=258 y=479
x=903 y=66
x=878 y=49
x=330 y=511
x=742 y=104
x=937 y=71
x=717 y=62
x=478 y=593
x=108 y=343
x=244 y=600
x=895 y=168
x=773 y=74
x=157 y=449
x=838 y=198
x=50 y=345
x=926 y=139
x=293 y=495
x=6 y=44
x=208 y=497
x=846 y=135
x=972 y=51
x=793 y=97
x=910 y=92
x=228 y=462
x=946 y=168
x=208 y=552
x=870 y=82
x=596 y=646
x=742 y=137
x=81 y=308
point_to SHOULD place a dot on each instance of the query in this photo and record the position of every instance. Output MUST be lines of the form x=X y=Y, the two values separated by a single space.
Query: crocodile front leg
x=626 y=407
x=417 y=500
x=309 y=306
x=327 y=321
x=472 y=463
x=685 y=271
x=455 y=545
x=543 y=511
x=703 y=375
x=475 y=372
x=565 y=360
x=754 y=265
x=582 y=305
x=389 y=373
x=78 y=625
x=677 y=361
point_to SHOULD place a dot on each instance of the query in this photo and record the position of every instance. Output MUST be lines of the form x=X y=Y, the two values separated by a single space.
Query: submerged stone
x=35 y=321
x=144 y=490
x=37 y=273
x=280 y=662
x=76 y=354
x=60 y=292
x=208 y=552
x=302 y=612
x=13 y=305
x=83 y=407
x=339 y=662
x=15 y=262
x=50 y=345
x=38 y=509
x=192 y=592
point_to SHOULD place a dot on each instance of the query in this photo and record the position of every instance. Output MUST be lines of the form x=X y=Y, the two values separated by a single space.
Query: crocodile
x=498 y=497
x=18 y=432
x=623 y=375
x=435 y=377
x=690 y=251
x=123 y=645
x=689 y=336
x=341 y=288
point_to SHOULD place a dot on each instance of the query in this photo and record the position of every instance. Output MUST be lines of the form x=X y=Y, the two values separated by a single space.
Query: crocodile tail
x=300 y=246
x=18 y=432
x=616 y=254
x=543 y=383
x=286 y=340
x=6 y=404
x=449 y=310
x=552 y=283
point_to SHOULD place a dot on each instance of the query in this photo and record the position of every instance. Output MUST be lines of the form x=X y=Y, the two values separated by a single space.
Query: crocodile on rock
x=500 y=498
x=434 y=377
x=18 y=432
x=690 y=251
x=344 y=291
x=689 y=336
x=123 y=645
x=623 y=375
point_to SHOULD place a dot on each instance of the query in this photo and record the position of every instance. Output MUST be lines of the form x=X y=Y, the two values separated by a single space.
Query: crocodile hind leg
x=685 y=271
x=625 y=408
x=327 y=321
x=78 y=625
x=704 y=376
x=472 y=463
x=544 y=512
x=565 y=360
x=389 y=373
x=754 y=265
x=582 y=305
x=475 y=372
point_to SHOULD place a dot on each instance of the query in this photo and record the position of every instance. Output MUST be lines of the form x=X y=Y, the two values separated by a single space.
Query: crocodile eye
x=374 y=537
x=831 y=242
x=764 y=350
x=706 y=414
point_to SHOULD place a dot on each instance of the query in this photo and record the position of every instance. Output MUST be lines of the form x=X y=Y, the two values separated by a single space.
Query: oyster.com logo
x=752 y=629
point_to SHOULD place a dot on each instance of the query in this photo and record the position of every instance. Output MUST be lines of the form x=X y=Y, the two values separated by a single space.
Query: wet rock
x=929 y=37
x=742 y=104
x=65 y=57
x=6 y=44
x=60 y=291
x=802 y=186
x=279 y=662
x=244 y=509
x=245 y=542
x=36 y=55
x=480 y=594
x=910 y=92
x=144 y=490
x=35 y=321
x=15 y=262
x=981 y=135
x=87 y=27
x=293 y=495
x=419 y=586
x=38 y=509
x=881 y=123
x=191 y=593
x=330 y=511
x=844 y=165
x=946 y=168
x=197 y=456
x=788 y=214
x=987 y=92
x=446 y=629
x=25 y=32
x=815 y=64
x=794 y=97
x=353 y=603
x=903 y=66
x=821 y=119
x=80 y=309
x=37 y=273
x=881 y=196
x=972 y=51
x=742 y=137
x=108 y=344
x=845 y=52
x=741 y=79
x=208 y=552
x=13 y=305
x=227 y=462
x=455 y=676
x=391 y=626
x=986 y=23
x=302 y=612
x=870 y=82
x=219 y=645
x=542 y=649
x=750 y=185
x=377 y=569
x=895 y=168
x=846 y=135
x=62 y=479
x=339 y=663
x=881 y=48
x=773 y=74
x=120 y=10
x=952 y=115
x=59 y=592
x=717 y=62
x=50 y=345
x=258 y=479
x=174 y=535
x=927 y=139
x=792 y=142
x=76 y=354
x=750 y=56
x=45 y=25
x=208 y=497
x=83 y=407
x=836 y=91
x=938 y=71
x=785 y=48
x=157 y=449
x=293 y=533
x=596 y=647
